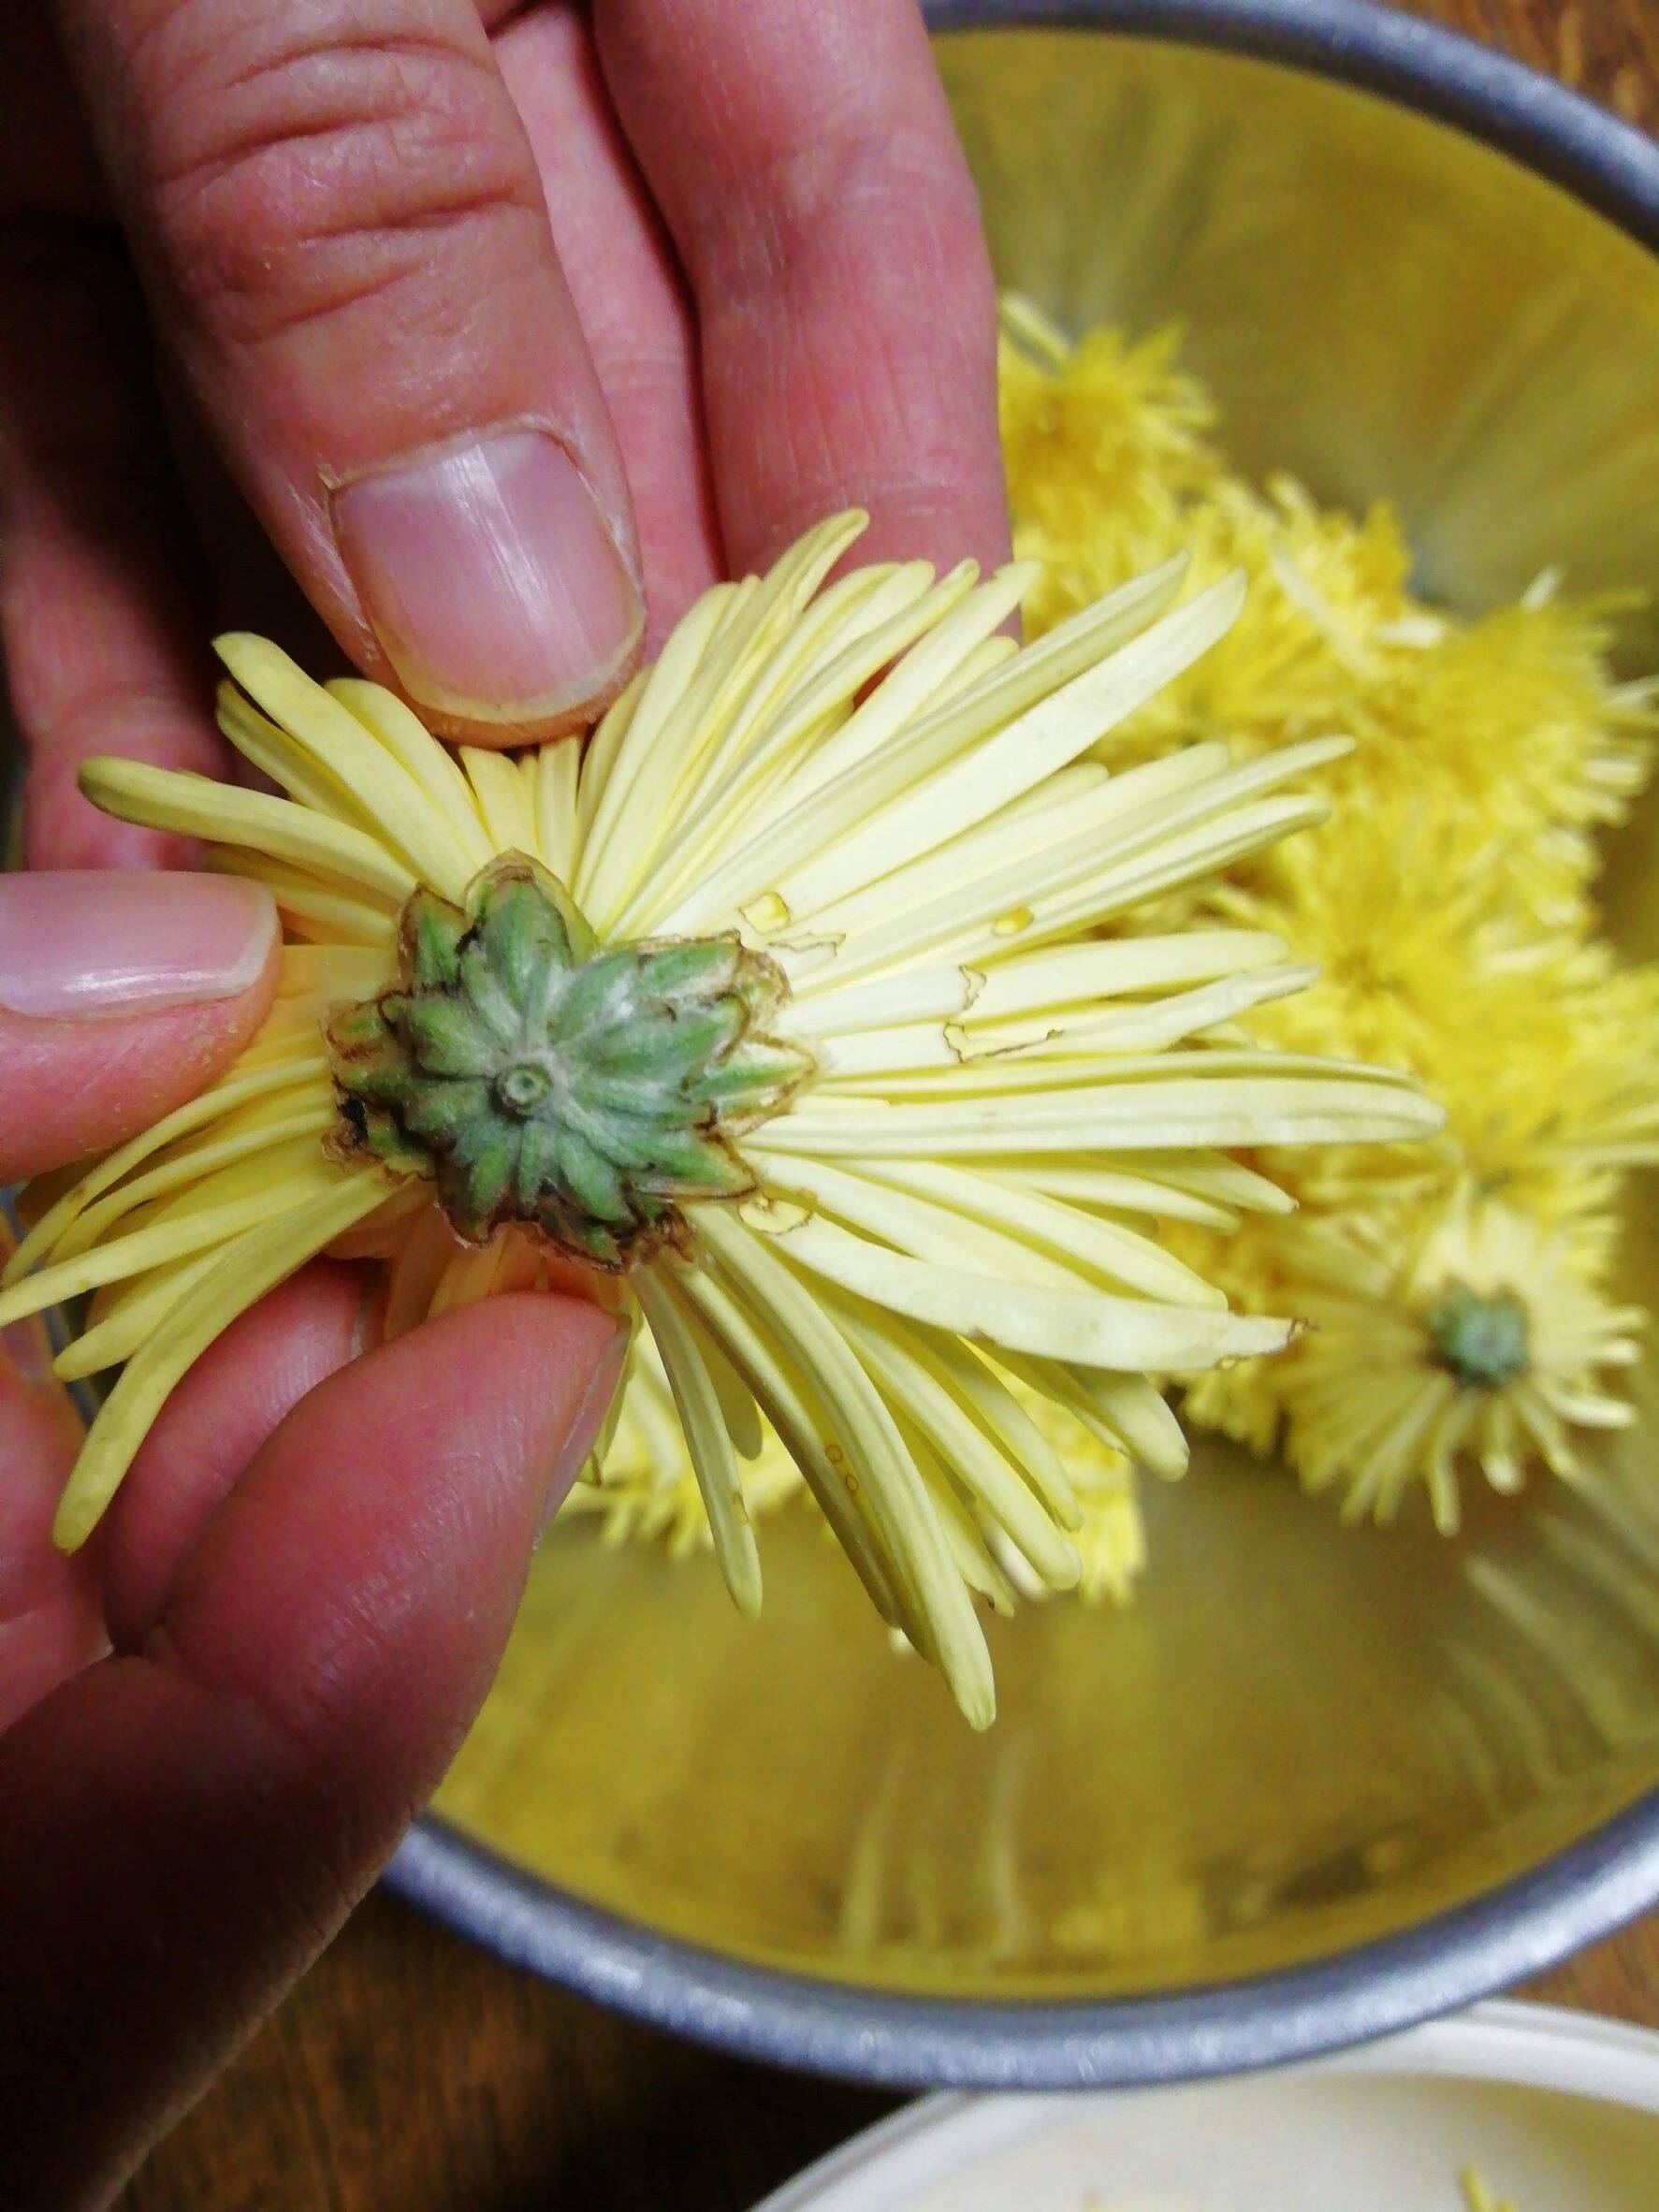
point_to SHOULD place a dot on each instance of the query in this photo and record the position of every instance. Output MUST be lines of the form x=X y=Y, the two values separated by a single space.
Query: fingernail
x=83 y=944
x=491 y=578
x=589 y=1420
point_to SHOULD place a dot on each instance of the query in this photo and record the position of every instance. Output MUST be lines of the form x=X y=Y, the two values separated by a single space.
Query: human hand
x=216 y=1720
x=473 y=439
x=770 y=297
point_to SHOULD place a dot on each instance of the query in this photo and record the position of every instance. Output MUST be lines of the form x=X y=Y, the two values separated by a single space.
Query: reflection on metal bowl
x=1315 y=1781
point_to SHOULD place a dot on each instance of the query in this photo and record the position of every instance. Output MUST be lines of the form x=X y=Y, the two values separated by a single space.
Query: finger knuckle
x=893 y=193
x=298 y=182
x=922 y=183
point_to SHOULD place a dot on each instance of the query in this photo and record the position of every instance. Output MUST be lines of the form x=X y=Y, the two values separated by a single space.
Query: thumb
x=339 y=222
x=182 y=1829
x=122 y=994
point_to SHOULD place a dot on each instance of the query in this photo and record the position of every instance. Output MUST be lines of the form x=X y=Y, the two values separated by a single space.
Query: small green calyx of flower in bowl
x=592 y=1092
x=1483 y=1340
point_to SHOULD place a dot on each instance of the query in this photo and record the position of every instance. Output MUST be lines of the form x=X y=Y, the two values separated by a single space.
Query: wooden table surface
x=411 y=2073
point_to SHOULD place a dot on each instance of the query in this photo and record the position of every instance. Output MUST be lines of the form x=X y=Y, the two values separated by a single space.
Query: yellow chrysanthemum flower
x=1447 y=902
x=1281 y=1266
x=1389 y=950
x=1511 y=730
x=1543 y=1050
x=1508 y=733
x=1474 y=1338
x=783 y=1011
x=1110 y=1535
x=1105 y=443
x=1549 y=1057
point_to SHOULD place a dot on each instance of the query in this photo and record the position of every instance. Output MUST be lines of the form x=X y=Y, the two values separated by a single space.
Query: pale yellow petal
x=237 y=1089
x=1091 y=1330
x=277 y=829
x=255 y=1263
x=391 y=804
x=937 y=807
x=827 y=814
x=406 y=738
x=315 y=909
x=196 y=1218
x=896 y=1499
x=557 y=769
x=505 y=806
x=712 y=1456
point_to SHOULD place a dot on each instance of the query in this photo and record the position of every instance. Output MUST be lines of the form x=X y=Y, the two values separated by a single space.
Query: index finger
x=806 y=161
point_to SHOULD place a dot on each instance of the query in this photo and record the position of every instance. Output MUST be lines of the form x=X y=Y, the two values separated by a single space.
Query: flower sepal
x=590 y=1093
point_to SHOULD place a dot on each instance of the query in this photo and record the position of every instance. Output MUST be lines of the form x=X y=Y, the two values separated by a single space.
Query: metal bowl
x=1317 y=1783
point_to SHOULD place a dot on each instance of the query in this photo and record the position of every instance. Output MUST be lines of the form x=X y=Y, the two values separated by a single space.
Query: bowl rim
x=786 y=2018
x=1610 y=165
x=893 y=2040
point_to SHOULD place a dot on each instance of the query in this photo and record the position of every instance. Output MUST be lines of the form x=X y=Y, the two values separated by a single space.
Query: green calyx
x=537 y=1077
x=1483 y=1339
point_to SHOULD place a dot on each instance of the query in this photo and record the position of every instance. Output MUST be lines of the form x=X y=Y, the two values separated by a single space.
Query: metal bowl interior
x=1302 y=1741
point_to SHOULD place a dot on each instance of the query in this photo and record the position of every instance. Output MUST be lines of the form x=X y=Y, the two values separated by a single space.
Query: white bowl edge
x=1524 y=2045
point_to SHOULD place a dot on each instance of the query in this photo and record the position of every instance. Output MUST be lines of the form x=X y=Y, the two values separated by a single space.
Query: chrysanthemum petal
x=951 y=654
x=628 y=819
x=127 y=1317
x=557 y=771
x=1061 y=1241
x=234 y=1091
x=336 y=745
x=1050 y=738
x=314 y=910
x=405 y=737
x=962 y=1447
x=953 y=729
x=506 y=807
x=258 y=1136
x=255 y=1263
x=1125 y=1412
x=1115 y=968
x=726 y=793
x=198 y=806
x=220 y=1207
x=897 y=1501
x=779 y=1388
x=1091 y=1329
x=1144 y=1116
x=708 y=1440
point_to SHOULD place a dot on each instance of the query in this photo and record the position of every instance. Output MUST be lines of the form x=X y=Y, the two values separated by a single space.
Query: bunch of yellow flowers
x=1459 y=1294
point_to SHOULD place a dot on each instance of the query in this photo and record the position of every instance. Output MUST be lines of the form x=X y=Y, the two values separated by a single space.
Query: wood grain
x=411 y=2073
x=1609 y=48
